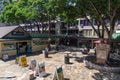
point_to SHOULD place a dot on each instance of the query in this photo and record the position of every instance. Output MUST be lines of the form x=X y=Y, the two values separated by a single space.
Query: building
x=1 y=6
x=15 y=40
x=62 y=34
x=87 y=33
x=88 y=36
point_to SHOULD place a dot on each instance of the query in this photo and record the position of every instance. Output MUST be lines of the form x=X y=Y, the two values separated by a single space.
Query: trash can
x=45 y=53
x=17 y=60
x=66 y=59
x=57 y=48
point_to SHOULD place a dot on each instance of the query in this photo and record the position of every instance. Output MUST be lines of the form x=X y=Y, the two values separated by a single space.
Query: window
x=39 y=41
x=9 y=46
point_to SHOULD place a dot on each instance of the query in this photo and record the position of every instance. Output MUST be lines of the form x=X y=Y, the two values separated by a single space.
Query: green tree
x=66 y=10
x=17 y=12
x=100 y=10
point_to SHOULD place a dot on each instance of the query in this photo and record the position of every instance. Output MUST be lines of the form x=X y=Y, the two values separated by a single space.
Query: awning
x=99 y=41
x=116 y=36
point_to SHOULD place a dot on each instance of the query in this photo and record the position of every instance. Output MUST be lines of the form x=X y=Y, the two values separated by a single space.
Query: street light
x=58 y=24
x=57 y=30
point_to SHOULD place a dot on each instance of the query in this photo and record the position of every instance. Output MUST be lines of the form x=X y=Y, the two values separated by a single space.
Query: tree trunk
x=49 y=34
x=38 y=28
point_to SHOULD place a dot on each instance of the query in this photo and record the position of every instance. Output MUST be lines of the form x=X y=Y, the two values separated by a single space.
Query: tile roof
x=5 y=30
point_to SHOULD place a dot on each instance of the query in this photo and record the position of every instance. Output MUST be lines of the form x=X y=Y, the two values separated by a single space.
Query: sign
x=58 y=75
x=32 y=64
x=23 y=61
x=5 y=56
x=55 y=75
x=102 y=51
x=41 y=69
x=20 y=33
x=17 y=60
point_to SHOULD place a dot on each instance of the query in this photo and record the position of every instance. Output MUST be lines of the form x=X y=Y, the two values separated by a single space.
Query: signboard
x=23 y=61
x=102 y=51
x=32 y=64
x=20 y=33
x=5 y=56
x=58 y=75
x=41 y=69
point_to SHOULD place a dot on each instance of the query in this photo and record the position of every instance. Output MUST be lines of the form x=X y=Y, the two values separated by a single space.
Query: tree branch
x=112 y=22
x=101 y=19
x=93 y=27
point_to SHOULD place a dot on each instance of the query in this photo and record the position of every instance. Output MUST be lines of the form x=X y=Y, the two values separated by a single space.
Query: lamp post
x=57 y=32
x=58 y=23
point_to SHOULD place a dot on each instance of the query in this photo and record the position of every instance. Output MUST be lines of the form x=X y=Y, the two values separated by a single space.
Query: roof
x=5 y=30
x=2 y=40
x=2 y=24
x=38 y=35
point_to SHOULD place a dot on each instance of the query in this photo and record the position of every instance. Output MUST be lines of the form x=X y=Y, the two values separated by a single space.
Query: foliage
x=20 y=11
x=17 y=11
x=100 y=11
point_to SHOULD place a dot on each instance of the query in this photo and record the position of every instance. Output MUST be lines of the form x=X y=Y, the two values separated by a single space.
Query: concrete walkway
x=76 y=70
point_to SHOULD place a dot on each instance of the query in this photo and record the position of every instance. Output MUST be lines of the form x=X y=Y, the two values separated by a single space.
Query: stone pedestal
x=102 y=51
x=66 y=59
x=45 y=53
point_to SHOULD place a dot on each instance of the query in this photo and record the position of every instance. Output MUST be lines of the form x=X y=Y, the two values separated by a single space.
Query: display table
x=66 y=57
x=67 y=52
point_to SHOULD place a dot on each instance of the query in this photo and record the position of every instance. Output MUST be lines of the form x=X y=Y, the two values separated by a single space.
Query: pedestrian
x=95 y=51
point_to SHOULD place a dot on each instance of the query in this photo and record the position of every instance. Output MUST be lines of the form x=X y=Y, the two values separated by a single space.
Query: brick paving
x=76 y=70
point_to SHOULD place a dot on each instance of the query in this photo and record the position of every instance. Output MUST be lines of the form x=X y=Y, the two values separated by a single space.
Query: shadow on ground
x=79 y=59
x=28 y=54
x=66 y=79
x=106 y=76
x=47 y=74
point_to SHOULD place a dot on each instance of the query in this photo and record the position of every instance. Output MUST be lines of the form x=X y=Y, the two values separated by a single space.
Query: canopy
x=116 y=36
x=99 y=41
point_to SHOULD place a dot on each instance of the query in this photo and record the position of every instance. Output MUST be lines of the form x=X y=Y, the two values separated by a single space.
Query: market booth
x=14 y=40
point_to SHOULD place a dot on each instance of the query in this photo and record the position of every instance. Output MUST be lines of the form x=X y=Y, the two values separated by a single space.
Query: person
x=46 y=49
x=95 y=50
x=85 y=50
x=57 y=48
x=28 y=49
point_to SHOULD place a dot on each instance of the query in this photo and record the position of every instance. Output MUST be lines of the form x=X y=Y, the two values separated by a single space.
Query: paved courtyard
x=76 y=70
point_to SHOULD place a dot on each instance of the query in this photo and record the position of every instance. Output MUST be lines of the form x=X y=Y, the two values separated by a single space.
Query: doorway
x=21 y=48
